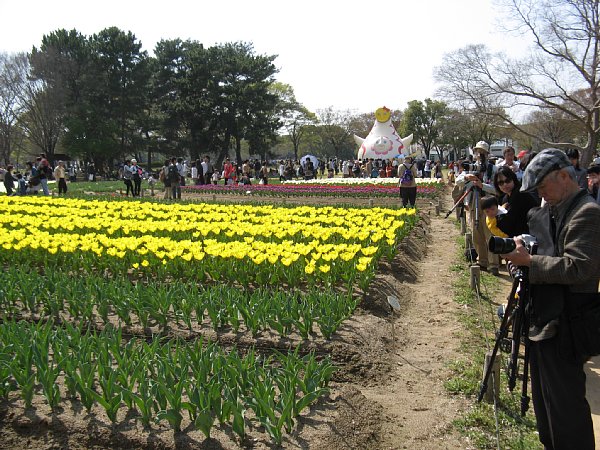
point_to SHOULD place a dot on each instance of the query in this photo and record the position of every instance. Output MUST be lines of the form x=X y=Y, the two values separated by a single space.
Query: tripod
x=517 y=316
x=468 y=189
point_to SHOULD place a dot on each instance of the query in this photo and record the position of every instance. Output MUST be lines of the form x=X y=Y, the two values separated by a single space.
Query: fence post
x=468 y=240
x=475 y=277
x=493 y=389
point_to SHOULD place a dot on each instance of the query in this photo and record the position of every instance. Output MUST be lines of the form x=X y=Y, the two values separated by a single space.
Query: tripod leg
x=516 y=343
x=502 y=332
x=524 y=396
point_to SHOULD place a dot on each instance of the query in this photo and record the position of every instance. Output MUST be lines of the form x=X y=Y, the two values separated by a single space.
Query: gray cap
x=542 y=164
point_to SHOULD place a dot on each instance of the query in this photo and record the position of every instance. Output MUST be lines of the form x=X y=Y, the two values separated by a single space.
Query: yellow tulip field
x=104 y=289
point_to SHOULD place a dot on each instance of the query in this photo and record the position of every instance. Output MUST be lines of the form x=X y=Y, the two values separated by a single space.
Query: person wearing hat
x=479 y=178
x=564 y=276
x=60 y=175
x=593 y=178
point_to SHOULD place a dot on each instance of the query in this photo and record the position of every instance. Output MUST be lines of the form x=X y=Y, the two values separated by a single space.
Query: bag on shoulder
x=173 y=174
x=584 y=324
x=407 y=176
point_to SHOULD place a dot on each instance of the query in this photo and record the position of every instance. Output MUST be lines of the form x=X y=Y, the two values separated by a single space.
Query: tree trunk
x=238 y=151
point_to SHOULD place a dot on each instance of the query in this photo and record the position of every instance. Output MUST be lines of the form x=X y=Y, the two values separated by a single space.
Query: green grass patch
x=485 y=429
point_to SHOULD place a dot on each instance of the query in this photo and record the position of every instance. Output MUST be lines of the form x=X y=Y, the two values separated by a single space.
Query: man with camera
x=475 y=179
x=564 y=279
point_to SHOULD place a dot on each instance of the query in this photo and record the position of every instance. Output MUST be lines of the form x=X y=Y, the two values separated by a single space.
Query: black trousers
x=129 y=186
x=62 y=186
x=562 y=412
x=408 y=195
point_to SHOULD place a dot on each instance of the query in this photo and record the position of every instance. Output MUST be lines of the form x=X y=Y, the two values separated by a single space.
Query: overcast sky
x=356 y=55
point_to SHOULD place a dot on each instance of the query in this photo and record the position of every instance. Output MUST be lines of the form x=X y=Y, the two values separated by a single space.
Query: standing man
x=480 y=181
x=564 y=278
x=183 y=171
x=136 y=176
x=593 y=177
x=510 y=161
x=45 y=173
x=208 y=169
x=174 y=179
x=60 y=175
x=478 y=175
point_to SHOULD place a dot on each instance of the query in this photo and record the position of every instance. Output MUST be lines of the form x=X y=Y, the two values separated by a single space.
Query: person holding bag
x=564 y=278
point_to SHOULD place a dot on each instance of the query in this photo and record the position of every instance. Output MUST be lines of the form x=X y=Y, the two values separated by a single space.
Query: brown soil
x=387 y=394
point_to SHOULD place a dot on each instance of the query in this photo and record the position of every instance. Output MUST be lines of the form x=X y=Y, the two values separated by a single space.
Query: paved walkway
x=592 y=371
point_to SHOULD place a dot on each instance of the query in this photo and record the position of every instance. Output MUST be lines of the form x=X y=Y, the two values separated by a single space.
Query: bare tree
x=295 y=117
x=561 y=72
x=13 y=77
x=336 y=131
x=43 y=119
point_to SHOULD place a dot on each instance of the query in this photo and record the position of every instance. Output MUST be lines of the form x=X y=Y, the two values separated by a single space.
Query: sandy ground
x=592 y=370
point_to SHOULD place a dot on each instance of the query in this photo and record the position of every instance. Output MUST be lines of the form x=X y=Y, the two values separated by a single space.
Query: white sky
x=356 y=55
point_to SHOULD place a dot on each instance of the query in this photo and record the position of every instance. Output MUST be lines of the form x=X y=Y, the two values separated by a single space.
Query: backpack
x=407 y=176
x=173 y=174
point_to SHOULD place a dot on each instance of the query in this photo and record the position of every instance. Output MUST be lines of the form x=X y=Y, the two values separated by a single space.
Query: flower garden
x=120 y=302
x=325 y=187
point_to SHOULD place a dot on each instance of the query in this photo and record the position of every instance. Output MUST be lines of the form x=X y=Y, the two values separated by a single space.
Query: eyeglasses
x=502 y=182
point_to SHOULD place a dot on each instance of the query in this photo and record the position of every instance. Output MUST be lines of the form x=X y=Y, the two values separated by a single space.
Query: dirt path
x=418 y=411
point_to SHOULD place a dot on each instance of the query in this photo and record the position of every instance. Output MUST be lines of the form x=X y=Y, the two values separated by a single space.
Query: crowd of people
x=548 y=196
x=35 y=177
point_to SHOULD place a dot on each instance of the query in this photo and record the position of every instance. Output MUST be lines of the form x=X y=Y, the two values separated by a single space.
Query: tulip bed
x=326 y=187
x=77 y=273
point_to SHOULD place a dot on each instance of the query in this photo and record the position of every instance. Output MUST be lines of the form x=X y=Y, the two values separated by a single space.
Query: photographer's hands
x=519 y=256
x=474 y=179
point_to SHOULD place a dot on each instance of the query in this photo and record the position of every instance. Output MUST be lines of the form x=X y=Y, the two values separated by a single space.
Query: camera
x=502 y=246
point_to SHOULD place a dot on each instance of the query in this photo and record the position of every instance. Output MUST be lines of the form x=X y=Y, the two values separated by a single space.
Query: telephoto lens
x=500 y=245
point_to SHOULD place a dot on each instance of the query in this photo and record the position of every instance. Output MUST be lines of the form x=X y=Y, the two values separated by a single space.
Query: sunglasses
x=502 y=182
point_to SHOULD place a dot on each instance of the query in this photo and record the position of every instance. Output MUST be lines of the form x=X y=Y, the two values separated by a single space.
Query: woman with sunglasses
x=517 y=203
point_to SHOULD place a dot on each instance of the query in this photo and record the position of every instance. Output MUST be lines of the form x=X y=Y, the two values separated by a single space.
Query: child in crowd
x=22 y=185
x=493 y=213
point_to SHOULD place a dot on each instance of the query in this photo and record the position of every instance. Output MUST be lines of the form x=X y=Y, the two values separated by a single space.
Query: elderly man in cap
x=478 y=176
x=564 y=277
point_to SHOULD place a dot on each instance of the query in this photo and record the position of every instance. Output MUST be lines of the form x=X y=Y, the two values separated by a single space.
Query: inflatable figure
x=382 y=142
